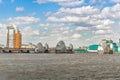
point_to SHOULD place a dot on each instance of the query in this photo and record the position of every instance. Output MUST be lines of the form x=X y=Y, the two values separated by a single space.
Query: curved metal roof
x=61 y=46
x=46 y=46
x=39 y=45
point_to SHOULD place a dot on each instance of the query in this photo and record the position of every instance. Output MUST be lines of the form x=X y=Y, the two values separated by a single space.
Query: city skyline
x=80 y=22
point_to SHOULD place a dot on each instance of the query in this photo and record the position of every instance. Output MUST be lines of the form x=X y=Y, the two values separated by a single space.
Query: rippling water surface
x=59 y=67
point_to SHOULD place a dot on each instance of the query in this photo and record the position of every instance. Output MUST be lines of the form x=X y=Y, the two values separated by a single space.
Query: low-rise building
x=30 y=45
x=2 y=46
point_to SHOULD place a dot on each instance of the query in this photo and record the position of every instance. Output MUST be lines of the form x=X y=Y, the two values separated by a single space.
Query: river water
x=85 y=66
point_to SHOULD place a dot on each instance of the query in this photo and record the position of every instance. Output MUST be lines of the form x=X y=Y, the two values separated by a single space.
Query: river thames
x=85 y=66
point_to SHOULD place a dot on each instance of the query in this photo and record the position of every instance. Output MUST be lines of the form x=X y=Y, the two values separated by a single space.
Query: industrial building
x=93 y=48
x=83 y=49
x=14 y=37
x=106 y=46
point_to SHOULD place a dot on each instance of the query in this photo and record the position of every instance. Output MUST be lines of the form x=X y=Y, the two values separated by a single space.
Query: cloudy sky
x=80 y=22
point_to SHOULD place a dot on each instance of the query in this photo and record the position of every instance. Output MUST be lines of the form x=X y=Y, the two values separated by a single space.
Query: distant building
x=93 y=48
x=2 y=46
x=53 y=50
x=104 y=45
x=30 y=45
x=14 y=37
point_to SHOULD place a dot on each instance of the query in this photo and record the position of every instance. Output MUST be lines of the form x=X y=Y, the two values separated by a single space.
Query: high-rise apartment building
x=14 y=37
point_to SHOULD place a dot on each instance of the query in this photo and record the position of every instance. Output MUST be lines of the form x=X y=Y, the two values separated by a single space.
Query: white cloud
x=66 y=32
x=82 y=14
x=103 y=32
x=76 y=36
x=65 y=3
x=100 y=32
x=116 y=1
x=62 y=38
x=111 y=12
x=71 y=3
x=80 y=28
x=94 y=39
x=102 y=27
x=23 y=20
x=58 y=30
x=48 y=14
x=28 y=31
x=30 y=35
x=19 y=9
x=84 y=10
x=84 y=18
x=70 y=19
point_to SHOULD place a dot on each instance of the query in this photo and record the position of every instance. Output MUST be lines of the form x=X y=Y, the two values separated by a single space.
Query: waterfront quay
x=76 y=66
x=14 y=50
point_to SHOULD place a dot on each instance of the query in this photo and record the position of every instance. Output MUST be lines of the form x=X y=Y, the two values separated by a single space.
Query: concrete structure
x=14 y=37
